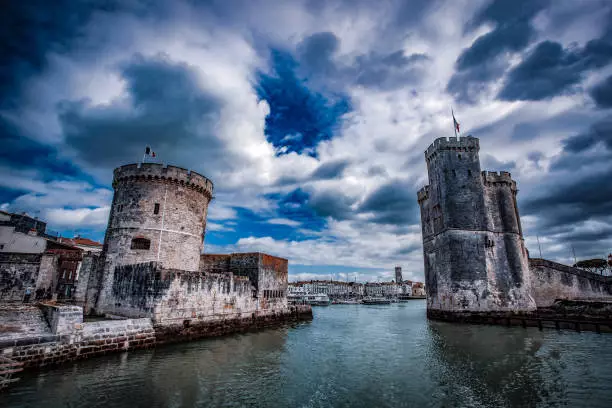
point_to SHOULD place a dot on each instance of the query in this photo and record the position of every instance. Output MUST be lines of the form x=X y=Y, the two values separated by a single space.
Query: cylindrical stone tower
x=158 y=214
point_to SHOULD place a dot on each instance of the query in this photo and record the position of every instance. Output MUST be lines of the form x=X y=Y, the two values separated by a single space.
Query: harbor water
x=348 y=356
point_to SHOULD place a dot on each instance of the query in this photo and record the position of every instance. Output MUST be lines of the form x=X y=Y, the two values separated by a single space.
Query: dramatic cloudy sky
x=311 y=116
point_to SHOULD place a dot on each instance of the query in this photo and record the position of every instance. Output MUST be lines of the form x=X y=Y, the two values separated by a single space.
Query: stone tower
x=474 y=255
x=398 y=274
x=158 y=214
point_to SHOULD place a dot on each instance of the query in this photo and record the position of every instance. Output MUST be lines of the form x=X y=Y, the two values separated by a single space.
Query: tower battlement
x=163 y=173
x=423 y=194
x=502 y=177
x=467 y=143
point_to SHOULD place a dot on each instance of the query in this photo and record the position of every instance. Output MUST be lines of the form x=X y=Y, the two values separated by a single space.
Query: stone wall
x=474 y=255
x=47 y=274
x=189 y=330
x=170 y=296
x=62 y=319
x=18 y=272
x=89 y=266
x=158 y=214
x=552 y=281
x=73 y=340
x=474 y=270
x=86 y=340
x=215 y=263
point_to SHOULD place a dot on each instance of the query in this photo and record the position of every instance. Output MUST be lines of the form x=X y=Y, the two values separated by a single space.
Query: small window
x=63 y=274
x=459 y=156
x=470 y=173
x=156 y=209
x=140 y=243
x=454 y=173
x=1 y=246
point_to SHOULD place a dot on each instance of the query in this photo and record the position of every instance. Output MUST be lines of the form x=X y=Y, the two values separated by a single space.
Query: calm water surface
x=348 y=356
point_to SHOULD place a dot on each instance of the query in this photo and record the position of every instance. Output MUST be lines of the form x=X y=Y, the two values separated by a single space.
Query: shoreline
x=93 y=339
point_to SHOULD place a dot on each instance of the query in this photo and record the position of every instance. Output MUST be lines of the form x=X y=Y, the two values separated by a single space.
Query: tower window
x=470 y=173
x=459 y=156
x=156 y=209
x=454 y=173
x=140 y=243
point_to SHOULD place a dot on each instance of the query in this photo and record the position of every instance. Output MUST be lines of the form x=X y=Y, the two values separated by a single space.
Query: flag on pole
x=455 y=122
x=148 y=153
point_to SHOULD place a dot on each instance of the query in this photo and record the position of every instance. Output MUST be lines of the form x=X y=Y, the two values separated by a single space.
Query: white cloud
x=283 y=221
x=386 y=130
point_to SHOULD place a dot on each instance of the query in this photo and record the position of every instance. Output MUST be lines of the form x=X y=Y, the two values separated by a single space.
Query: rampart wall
x=72 y=339
x=171 y=296
x=552 y=281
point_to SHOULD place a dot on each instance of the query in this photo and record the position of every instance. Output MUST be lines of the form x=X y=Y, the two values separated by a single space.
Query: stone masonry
x=474 y=254
x=152 y=263
x=158 y=214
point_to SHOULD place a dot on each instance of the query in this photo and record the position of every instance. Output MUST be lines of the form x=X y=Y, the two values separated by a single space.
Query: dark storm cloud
x=31 y=30
x=485 y=60
x=551 y=70
x=388 y=71
x=602 y=93
x=20 y=152
x=316 y=52
x=382 y=70
x=392 y=203
x=573 y=201
x=572 y=195
x=168 y=111
x=334 y=204
x=330 y=170
x=28 y=31
x=600 y=132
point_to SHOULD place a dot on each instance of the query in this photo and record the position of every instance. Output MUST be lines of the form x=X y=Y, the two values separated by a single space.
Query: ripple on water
x=348 y=356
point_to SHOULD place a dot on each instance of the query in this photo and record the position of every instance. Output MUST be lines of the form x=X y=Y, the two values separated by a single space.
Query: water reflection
x=348 y=356
x=497 y=366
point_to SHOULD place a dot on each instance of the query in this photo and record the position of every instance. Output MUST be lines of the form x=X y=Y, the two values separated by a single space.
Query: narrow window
x=140 y=243
x=470 y=173
x=460 y=156
x=454 y=173
x=156 y=209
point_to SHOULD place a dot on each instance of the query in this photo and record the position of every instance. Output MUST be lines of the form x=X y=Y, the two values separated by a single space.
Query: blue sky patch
x=300 y=118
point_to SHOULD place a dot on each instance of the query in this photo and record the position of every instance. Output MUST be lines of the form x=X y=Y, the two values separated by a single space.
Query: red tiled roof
x=85 y=241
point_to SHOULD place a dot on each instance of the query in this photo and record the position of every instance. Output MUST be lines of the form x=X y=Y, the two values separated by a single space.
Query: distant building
x=398 y=274
x=85 y=244
x=23 y=222
x=418 y=289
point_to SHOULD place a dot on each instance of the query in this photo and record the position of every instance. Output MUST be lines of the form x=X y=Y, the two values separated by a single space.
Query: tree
x=596 y=265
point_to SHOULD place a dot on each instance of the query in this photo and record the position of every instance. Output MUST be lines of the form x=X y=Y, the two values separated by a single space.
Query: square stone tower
x=474 y=255
x=398 y=274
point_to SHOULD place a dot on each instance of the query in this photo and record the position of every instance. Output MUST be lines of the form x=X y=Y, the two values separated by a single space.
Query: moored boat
x=375 y=301
x=318 y=299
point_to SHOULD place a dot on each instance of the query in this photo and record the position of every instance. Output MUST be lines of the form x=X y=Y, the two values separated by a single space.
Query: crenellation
x=467 y=144
x=503 y=177
x=423 y=194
